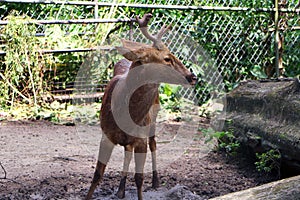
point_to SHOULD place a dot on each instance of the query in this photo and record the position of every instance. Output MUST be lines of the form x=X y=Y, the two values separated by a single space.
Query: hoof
x=120 y=194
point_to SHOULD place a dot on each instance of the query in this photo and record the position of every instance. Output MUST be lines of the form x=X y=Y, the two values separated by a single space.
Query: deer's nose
x=192 y=78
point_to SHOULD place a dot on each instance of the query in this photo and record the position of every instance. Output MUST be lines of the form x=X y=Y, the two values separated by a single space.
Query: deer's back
x=122 y=67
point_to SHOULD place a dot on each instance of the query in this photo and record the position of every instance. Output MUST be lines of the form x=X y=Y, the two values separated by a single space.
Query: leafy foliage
x=226 y=140
x=291 y=58
x=268 y=161
x=26 y=72
x=169 y=97
x=232 y=38
x=22 y=72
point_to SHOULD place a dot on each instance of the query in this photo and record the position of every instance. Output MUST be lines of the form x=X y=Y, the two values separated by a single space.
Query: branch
x=14 y=89
x=5 y=178
x=31 y=76
x=298 y=5
x=3 y=171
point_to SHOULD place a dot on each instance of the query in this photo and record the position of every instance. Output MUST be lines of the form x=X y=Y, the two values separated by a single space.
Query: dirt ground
x=41 y=160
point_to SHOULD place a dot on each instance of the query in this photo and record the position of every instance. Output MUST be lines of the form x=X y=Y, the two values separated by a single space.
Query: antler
x=143 y=24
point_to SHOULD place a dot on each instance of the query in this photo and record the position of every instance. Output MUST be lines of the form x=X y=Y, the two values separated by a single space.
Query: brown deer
x=143 y=105
x=121 y=68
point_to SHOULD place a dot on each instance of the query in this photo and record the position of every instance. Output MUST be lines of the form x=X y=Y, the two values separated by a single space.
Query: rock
x=180 y=192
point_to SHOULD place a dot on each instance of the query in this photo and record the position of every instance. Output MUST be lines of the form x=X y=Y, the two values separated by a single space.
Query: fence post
x=277 y=39
x=96 y=10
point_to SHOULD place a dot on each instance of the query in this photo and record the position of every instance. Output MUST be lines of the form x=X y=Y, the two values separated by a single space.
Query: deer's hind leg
x=152 y=143
x=128 y=156
x=105 y=150
x=152 y=146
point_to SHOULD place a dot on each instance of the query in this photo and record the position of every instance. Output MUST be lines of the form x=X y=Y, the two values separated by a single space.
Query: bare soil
x=41 y=160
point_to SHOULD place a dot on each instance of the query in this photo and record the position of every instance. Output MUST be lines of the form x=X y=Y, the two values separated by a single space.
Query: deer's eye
x=167 y=59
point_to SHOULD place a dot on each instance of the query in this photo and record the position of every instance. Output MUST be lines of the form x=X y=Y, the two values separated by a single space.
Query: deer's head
x=158 y=53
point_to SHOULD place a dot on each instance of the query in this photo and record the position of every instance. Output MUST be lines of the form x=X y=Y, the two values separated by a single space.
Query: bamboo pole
x=277 y=39
x=76 y=21
x=48 y=51
x=293 y=28
x=96 y=10
x=152 y=6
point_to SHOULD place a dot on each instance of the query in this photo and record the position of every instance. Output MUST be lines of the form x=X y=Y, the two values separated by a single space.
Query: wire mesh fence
x=223 y=42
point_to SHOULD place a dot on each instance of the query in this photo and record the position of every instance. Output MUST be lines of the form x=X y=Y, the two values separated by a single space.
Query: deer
x=142 y=105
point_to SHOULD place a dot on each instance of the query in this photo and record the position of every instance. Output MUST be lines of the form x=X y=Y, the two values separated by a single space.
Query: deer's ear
x=127 y=53
x=134 y=45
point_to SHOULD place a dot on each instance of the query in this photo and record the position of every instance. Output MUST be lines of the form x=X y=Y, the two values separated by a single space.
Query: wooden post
x=96 y=9
x=277 y=39
x=131 y=30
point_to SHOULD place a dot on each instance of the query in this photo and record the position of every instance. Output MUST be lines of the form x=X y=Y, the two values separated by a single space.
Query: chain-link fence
x=223 y=42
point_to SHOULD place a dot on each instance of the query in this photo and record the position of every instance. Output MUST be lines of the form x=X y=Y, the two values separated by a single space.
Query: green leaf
x=258 y=72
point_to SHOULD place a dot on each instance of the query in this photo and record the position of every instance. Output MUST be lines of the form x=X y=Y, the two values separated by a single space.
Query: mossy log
x=287 y=189
x=265 y=115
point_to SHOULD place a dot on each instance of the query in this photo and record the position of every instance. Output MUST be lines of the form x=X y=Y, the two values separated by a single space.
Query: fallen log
x=284 y=189
x=265 y=115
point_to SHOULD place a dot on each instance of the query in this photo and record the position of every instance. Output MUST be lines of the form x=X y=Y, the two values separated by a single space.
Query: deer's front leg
x=140 y=152
x=128 y=156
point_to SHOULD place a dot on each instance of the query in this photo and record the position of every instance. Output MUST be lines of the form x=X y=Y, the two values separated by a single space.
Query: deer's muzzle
x=192 y=78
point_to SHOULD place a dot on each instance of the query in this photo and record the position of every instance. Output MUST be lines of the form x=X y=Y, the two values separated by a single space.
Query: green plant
x=242 y=41
x=268 y=161
x=169 y=97
x=26 y=74
x=258 y=72
x=226 y=140
x=22 y=73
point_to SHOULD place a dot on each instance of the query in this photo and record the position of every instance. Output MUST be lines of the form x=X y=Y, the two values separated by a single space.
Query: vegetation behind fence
x=44 y=44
